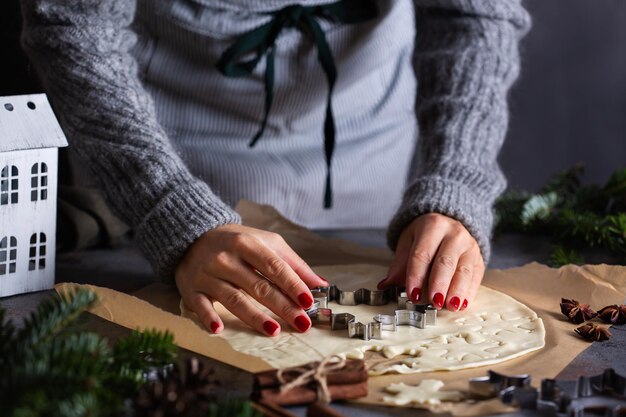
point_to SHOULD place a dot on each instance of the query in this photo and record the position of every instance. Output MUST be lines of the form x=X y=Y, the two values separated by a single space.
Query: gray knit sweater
x=129 y=131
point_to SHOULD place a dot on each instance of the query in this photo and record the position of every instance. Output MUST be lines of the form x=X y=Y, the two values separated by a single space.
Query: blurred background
x=568 y=107
x=569 y=104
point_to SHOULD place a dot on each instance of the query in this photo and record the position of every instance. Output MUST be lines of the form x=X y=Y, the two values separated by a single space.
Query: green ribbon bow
x=262 y=42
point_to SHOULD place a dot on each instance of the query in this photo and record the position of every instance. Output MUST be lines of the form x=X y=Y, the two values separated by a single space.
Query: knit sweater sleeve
x=80 y=50
x=466 y=59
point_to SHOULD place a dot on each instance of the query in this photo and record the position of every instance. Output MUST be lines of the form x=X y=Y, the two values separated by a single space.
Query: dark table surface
x=125 y=270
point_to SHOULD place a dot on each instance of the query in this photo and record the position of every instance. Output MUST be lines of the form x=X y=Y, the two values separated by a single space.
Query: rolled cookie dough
x=494 y=329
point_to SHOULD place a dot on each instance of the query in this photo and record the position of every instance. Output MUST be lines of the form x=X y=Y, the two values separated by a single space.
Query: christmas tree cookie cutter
x=407 y=314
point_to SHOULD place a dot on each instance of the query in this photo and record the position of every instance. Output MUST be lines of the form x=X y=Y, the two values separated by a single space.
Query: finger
x=238 y=303
x=477 y=277
x=421 y=259
x=462 y=281
x=443 y=268
x=203 y=307
x=300 y=267
x=262 y=258
x=397 y=270
x=268 y=294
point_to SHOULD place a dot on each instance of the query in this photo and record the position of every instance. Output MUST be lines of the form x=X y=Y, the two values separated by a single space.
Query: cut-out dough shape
x=426 y=393
x=494 y=329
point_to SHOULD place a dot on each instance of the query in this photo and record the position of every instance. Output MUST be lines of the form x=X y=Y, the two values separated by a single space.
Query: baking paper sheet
x=535 y=285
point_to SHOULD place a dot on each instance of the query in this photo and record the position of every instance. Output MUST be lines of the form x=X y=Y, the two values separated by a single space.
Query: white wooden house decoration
x=29 y=140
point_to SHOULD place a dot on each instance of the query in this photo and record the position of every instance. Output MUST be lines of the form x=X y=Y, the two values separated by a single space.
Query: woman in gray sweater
x=164 y=98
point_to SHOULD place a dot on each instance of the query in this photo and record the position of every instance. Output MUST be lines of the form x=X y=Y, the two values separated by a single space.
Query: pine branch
x=616 y=185
x=139 y=353
x=508 y=210
x=561 y=256
x=50 y=368
x=538 y=207
x=572 y=214
x=54 y=315
x=565 y=182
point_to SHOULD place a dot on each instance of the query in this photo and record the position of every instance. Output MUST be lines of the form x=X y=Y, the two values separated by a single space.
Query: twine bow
x=313 y=373
x=261 y=42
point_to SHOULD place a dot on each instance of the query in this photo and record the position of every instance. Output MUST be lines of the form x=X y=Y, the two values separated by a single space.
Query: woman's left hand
x=439 y=251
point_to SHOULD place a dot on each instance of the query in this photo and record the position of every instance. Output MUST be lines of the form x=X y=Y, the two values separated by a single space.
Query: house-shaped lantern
x=29 y=140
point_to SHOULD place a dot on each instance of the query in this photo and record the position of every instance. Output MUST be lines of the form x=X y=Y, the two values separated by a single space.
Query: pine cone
x=187 y=393
x=613 y=314
x=576 y=312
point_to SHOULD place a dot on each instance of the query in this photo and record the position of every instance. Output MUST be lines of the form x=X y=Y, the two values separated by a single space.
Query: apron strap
x=262 y=42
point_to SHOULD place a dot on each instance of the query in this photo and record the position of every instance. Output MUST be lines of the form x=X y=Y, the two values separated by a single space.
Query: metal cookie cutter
x=495 y=384
x=338 y=321
x=603 y=394
x=371 y=330
x=351 y=298
x=343 y=321
x=427 y=310
x=599 y=395
x=430 y=312
x=409 y=314
x=387 y=322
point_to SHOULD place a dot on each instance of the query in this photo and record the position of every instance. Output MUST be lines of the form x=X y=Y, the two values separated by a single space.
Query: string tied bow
x=316 y=373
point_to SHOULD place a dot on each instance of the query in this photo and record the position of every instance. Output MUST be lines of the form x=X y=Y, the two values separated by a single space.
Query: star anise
x=593 y=331
x=576 y=312
x=613 y=314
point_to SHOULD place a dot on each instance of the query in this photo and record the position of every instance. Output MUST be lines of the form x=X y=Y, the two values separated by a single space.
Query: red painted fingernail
x=464 y=306
x=381 y=284
x=455 y=302
x=302 y=323
x=416 y=294
x=322 y=278
x=305 y=300
x=438 y=299
x=214 y=326
x=270 y=327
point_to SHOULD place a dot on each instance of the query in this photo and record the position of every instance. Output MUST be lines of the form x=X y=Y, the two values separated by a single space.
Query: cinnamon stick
x=352 y=373
x=308 y=394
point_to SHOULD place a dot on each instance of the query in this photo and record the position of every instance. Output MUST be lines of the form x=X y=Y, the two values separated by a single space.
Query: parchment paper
x=535 y=285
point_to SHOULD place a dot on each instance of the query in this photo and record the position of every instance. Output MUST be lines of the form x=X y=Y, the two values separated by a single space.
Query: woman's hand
x=230 y=263
x=438 y=251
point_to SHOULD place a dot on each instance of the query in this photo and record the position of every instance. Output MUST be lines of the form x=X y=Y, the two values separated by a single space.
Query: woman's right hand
x=231 y=262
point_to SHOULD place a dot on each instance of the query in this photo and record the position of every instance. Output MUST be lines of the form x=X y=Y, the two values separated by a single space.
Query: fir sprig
x=54 y=315
x=138 y=352
x=48 y=368
x=561 y=256
x=51 y=368
x=574 y=215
